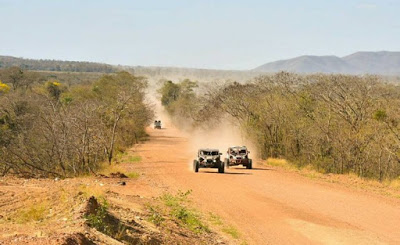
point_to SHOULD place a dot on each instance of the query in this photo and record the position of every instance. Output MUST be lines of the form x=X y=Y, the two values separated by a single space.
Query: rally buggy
x=238 y=155
x=208 y=158
x=157 y=124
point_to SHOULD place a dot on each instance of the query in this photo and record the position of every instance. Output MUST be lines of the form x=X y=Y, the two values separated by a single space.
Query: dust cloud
x=217 y=136
x=220 y=137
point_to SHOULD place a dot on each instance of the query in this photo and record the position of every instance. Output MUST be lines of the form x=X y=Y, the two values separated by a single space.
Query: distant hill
x=375 y=62
x=154 y=72
x=384 y=62
x=55 y=65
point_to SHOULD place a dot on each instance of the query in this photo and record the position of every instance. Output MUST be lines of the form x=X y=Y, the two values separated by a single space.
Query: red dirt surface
x=269 y=205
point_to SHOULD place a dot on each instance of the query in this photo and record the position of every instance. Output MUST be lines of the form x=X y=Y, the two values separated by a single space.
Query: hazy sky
x=220 y=34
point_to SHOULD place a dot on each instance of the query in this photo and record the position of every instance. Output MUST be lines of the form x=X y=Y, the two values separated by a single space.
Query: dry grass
x=64 y=196
x=232 y=231
x=309 y=172
x=133 y=175
x=33 y=212
x=225 y=228
x=115 y=168
x=182 y=213
x=215 y=219
x=127 y=157
x=387 y=187
x=88 y=190
x=107 y=169
x=280 y=162
x=133 y=159
x=395 y=184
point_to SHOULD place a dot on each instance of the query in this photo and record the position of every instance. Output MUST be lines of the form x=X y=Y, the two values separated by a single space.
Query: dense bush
x=52 y=129
x=337 y=123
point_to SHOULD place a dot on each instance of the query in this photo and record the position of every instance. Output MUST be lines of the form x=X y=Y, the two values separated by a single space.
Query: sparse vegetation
x=215 y=219
x=107 y=169
x=228 y=229
x=170 y=220
x=133 y=175
x=122 y=157
x=91 y=190
x=280 y=163
x=97 y=220
x=155 y=215
x=117 y=169
x=34 y=212
x=133 y=159
x=395 y=184
x=177 y=209
x=232 y=231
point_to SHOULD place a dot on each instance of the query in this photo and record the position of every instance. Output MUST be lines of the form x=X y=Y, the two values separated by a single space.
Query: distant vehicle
x=208 y=158
x=238 y=155
x=157 y=124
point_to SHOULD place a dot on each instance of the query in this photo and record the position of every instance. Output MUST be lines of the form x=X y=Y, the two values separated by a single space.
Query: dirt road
x=270 y=206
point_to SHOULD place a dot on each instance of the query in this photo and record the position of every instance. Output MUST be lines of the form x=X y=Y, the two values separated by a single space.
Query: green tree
x=169 y=93
x=179 y=98
x=121 y=95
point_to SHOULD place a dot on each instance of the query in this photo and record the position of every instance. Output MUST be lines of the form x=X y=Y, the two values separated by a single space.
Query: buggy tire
x=250 y=164
x=221 y=167
x=196 y=166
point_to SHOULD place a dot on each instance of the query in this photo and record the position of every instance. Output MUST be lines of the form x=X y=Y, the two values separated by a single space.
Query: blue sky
x=218 y=34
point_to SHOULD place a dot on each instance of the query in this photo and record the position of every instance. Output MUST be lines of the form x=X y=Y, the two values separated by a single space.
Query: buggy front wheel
x=196 y=166
x=221 y=167
x=249 y=164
